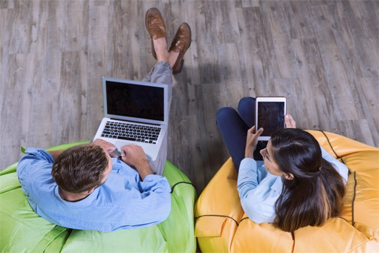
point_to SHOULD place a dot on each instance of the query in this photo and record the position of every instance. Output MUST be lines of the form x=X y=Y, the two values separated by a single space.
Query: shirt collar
x=84 y=202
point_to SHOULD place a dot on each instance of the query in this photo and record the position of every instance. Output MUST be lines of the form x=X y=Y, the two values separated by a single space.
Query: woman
x=304 y=184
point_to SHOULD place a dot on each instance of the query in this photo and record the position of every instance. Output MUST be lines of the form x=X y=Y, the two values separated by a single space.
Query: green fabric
x=139 y=240
x=179 y=226
x=21 y=230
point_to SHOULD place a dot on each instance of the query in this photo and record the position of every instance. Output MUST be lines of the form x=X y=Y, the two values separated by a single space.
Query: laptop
x=135 y=112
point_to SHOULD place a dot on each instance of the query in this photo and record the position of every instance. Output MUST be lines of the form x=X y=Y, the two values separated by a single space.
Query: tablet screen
x=270 y=116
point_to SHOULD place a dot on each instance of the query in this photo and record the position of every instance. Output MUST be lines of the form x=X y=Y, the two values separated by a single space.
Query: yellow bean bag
x=222 y=226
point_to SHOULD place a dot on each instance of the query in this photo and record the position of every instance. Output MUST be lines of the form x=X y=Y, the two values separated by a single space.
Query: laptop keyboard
x=131 y=132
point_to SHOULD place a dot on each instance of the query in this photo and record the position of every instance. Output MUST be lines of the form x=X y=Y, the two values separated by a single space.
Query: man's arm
x=33 y=164
x=107 y=146
x=134 y=155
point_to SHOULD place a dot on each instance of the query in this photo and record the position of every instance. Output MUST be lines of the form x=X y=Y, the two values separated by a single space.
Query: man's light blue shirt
x=122 y=202
x=259 y=189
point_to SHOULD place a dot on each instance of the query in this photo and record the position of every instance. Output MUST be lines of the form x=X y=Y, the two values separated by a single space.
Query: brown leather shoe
x=180 y=44
x=155 y=26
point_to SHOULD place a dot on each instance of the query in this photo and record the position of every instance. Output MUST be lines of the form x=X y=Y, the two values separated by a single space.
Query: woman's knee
x=225 y=113
x=246 y=103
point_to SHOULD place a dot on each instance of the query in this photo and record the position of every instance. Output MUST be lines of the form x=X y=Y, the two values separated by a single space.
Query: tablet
x=269 y=114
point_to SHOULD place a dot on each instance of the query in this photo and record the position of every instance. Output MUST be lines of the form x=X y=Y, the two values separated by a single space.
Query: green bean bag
x=21 y=230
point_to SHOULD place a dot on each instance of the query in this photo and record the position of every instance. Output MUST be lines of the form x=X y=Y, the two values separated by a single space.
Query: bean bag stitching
x=217 y=215
x=353 y=201
x=359 y=245
x=181 y=182
x=11 y=189
x=19 y=220
x=294 y=241
x=330 y=144
x=355 y=179
x=246 y=218
x=43 y=244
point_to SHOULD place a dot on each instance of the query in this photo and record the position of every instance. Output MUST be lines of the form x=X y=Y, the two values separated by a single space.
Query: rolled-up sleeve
x=247 y=176
x=33 y=171
x=155 y=191
x=35 y=160
x=150 y=205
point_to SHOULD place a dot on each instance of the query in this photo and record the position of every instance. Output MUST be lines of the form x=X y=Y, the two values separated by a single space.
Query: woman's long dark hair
x=316 y=191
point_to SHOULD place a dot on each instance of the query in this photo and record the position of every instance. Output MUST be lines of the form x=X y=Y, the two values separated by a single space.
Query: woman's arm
x=258 y=191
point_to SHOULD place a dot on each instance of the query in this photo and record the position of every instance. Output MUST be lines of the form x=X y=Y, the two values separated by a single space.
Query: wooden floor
x=322 y=55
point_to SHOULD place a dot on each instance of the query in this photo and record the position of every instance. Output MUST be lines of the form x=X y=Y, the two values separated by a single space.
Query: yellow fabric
x=221 y=225
x=253 y=237
x=217 y=213
x=364 y=161
x=335 y=236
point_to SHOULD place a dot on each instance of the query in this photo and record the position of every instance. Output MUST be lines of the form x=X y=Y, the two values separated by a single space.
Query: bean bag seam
x=181 y=182
x=217 y=215
x=353 y=200
x=335 y=153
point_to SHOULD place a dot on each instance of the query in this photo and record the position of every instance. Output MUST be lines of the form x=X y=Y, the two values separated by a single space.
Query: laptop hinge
x=137 y=122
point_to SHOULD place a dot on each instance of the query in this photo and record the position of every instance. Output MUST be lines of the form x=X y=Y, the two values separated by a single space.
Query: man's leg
x=166 y=60
x=161 y=73
x=233 y=130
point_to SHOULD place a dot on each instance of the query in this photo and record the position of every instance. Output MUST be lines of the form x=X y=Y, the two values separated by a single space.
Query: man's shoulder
x=35 y=154
x=35 y=163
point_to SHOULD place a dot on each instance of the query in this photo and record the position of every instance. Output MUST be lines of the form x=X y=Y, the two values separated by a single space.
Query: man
x=85 y=187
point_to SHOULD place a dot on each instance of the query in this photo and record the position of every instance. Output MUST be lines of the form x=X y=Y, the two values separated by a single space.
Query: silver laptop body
x=135 y=108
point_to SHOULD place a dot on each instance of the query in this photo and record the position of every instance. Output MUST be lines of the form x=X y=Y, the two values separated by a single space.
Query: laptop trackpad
x=119 y=144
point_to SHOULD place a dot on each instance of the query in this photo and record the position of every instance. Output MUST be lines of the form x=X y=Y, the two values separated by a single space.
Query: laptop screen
x=132 y=100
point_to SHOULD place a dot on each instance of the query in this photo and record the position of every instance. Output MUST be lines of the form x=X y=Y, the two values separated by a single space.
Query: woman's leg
x=233 y=130
x=246 y=110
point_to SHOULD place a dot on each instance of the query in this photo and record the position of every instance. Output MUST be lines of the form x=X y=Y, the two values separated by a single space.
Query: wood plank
x=322 y=55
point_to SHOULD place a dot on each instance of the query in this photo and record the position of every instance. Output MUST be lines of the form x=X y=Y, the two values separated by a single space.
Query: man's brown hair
x=80 y=168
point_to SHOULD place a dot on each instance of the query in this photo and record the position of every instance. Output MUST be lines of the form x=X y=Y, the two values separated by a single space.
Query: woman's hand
x=290 y=122
x=252 y=141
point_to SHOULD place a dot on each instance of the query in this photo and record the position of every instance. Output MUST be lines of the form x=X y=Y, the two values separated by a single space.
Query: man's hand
x=136 y=157
x=109 y=147
x=252 y=141
x=290 y=122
